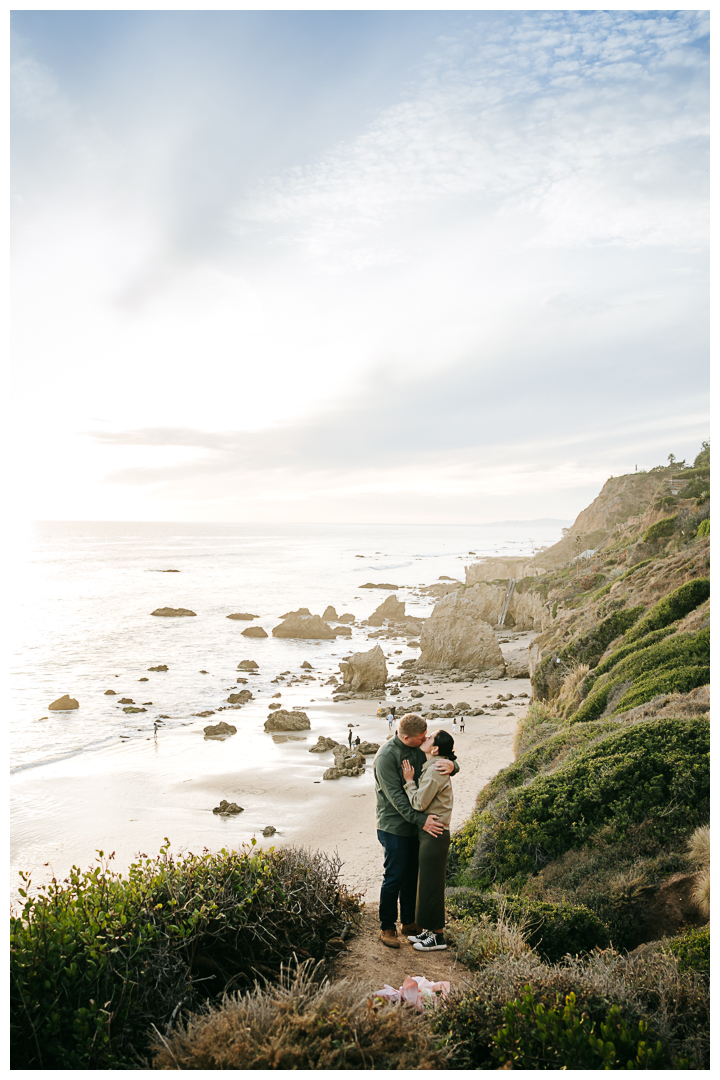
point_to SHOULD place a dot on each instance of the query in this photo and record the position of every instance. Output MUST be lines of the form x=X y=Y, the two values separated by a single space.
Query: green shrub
x=675 y=665
x=536 y=1037
x=660 y=530
x=553 y=930
x=626 y=650
x=96 y=959
x=657 y=769
x=676 y=605
x=587 y=648
x=692 y=950
x=704 y=528
x=690 y=474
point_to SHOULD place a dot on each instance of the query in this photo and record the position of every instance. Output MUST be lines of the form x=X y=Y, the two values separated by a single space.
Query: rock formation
x=343 y=631
x=392 y=608
x=384 y=585
x=307 y=665
x=159 y=667
x=364 y=671
x=247 y=665
x=254 y=631
x=220 y=729
x=64 y=703
x=526 y=610
x=456 y=636
x=346 y=618
x=226 y=807
x=172 y=612
x=242 y=615
x=323 y=745
x=300 y=611
x=110 y=692
x=303 y=626
x=240 y=698
x=269 y=830
x=368 y=748
x=330 y=614
x=132 y=709
x=517 y=663
x=347 y=763
x=283 y=720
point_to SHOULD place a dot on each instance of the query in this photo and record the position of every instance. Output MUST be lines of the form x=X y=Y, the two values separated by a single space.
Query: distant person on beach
x=454 y=726
x=462 y=724
x=350 y=739
x=391 y=717
x=357 y=741
x=433 y=794
x=399 y=824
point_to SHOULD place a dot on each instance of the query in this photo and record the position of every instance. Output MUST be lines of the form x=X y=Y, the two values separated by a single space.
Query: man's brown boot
x=390 y=938
x=410 y=928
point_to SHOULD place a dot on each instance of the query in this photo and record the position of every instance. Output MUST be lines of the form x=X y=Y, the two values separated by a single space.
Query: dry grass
x=699 y=845
x=300 y=1024
x=478 y=941
x=570 y=692
x=701 y=892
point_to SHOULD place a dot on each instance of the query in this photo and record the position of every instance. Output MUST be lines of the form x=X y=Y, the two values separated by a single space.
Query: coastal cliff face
x=458 y=636
x=600 y=825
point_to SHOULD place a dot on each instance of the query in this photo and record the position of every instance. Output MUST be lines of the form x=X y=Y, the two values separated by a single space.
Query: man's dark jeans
x=399 y=878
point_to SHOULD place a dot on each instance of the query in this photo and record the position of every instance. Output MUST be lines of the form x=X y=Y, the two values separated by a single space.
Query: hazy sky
x=355 y=266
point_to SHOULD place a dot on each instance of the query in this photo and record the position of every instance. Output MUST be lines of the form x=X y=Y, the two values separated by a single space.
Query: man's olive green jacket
x=394 y=814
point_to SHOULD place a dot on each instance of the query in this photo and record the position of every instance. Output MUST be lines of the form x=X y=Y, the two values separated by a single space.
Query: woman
x=432 y=794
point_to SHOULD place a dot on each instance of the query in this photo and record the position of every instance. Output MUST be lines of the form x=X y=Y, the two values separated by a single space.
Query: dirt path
x=374 y=964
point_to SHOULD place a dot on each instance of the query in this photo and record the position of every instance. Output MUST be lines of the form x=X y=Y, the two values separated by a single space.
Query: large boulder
x=345 y=758
x=364 y=671
x=172 y=612
x=248 y=665
x=220 y=729
x=347 y=618
x=455 y=636
x=330 y=614
x=517 y=663
x=392 y=609
x=254 y=631
x=303 y=626
x=240 y=698
x=64 y=703
x=343 y=631
x=368 y=748
x=284 y=720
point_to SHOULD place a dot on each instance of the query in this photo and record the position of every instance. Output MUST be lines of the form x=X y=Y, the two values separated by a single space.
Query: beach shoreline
x=127 y=799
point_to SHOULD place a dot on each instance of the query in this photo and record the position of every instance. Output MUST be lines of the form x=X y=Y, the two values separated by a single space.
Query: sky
x=354 y=266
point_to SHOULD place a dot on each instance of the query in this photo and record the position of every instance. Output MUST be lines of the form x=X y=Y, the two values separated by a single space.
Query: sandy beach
x=128 y=798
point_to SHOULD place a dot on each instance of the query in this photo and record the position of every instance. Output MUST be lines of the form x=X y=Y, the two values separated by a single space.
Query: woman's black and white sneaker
x=430 y=942
x=418 y=937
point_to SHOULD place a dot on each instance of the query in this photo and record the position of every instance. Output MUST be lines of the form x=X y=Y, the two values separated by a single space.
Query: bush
x=704 y=528
x=646 y=987
x=552 y=929
x=676 y=605
x=536 y=1037
x=300 y=1026
x=692 y=950
x=675 y=665
x=585 y=649
x=96 y=959
x=657 y=769
x=660 y=530
x=626 y=650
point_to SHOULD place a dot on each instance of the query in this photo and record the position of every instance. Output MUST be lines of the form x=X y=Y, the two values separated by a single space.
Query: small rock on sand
x=346 y=618
x=248 y=665
x=220 y=729
x=243 y=616
x=126 y=701
x=226 y=807
x=172 y=612
x=284 y=720
x=307 y=665
x=144 y=679
x=159 y=667
x=322 y=745
x=133 y=709
x=240 y=698
x=255 y=631
x=371 y=585
x=110 y=692
x=64 y=704
x=269 y=830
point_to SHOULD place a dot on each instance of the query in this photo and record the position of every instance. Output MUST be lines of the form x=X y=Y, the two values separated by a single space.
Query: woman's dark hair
x=445 y=743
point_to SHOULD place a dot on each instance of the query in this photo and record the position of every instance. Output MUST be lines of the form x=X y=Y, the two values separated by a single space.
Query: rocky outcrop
x=368 y=748
x=364 y=671
x=323 y=745
x=392 y=609
x=456 y=636
x=243 y=616
x=220 y=729
x=526 y=610
x=347 y=763
x=517 y=663
x=330 y=614
x=240 y=698
x=172 y=612
x=226 y=807
x=64 y=704
x=291 y=614
x=310 y=627
x=254 y=632
x=284 y=720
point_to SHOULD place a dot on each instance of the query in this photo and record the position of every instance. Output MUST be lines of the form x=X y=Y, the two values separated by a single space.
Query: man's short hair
x=412 y=724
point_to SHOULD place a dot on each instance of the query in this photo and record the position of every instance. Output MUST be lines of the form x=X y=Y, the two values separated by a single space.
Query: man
x=398 y=824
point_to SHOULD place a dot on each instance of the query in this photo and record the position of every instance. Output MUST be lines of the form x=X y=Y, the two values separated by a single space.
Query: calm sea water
x=85 y=591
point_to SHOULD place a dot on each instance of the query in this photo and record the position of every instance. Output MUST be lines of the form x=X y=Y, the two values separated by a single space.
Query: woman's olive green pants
x=432 y=864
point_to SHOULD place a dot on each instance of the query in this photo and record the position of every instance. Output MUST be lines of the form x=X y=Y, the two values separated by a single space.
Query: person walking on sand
x=433 y=794
x=391 y=717
x=462 y=725
x=454 y=726
x=399 y=824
